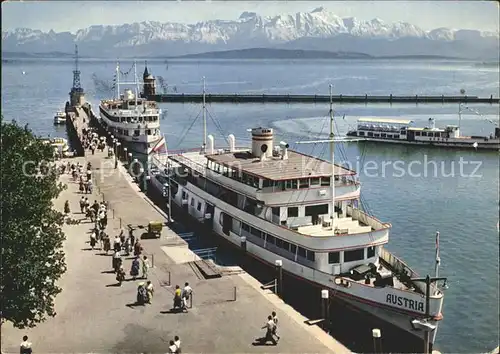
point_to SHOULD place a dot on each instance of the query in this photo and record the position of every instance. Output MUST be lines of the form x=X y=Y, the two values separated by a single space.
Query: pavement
x=96 y=316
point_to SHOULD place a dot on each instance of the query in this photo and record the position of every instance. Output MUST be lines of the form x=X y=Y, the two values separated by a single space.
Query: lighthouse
x=76 y=95
x=149 y=88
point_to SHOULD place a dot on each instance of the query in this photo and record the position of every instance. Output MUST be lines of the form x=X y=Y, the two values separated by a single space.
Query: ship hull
x=492 y=144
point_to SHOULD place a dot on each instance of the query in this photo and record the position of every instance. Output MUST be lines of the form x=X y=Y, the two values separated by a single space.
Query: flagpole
x=438 y=260
x=169 y=183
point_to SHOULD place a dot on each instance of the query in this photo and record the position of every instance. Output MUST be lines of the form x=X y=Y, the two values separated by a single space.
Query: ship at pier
x=281 y=204
x=133 y=120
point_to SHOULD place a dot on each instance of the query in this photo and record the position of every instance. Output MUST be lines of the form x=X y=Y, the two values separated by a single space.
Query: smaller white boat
x=60 y=145
x=60 y=118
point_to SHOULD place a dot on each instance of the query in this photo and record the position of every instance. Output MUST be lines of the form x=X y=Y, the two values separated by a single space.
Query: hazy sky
x=72 y=15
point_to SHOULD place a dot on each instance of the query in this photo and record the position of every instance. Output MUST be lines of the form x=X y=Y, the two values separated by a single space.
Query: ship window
x=288 y=183
x=371 y=252
x=293 y=248
x=279 y=242
x=293 y=212
x=389 y=136
x=199 y=206
x=310 y=256
x=383 y=135
x=276 y=211
x=325 y=181
x=148 y=131
x=271 y=239
x=424 y=133
x=286 y=245
x=255 y=232
x=266 y=183
x=245 y=226
x=137 y=132
x=437 y=135
x=430 y=134
x=303 y=183
x=119 y=131
x=302 y=252
x=192 y=201
x=354 y=255
x=361 y=133
x=417 y=133
x=334 y=257
x=294 y=184
x=315 y=181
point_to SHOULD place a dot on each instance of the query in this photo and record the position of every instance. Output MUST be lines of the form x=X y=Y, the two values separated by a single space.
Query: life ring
x=438 y=317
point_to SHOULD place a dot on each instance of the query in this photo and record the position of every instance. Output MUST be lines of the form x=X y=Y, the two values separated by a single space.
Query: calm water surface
x=454 y=192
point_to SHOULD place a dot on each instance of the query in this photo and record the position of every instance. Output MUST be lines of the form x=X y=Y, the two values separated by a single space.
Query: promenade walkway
x=92 y=313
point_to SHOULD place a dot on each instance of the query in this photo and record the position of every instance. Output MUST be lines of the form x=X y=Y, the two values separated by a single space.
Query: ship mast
x=332 y=152
x=136 y=82
x=117 y=80
x=204 y=147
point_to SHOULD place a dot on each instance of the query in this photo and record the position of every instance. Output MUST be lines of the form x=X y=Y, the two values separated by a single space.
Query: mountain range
x=318 y=30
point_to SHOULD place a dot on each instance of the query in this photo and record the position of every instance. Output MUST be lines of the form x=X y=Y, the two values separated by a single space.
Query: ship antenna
x=332 y=152
x=438 y=260
x=136 y=84
x=204 y=119
x=117 y=80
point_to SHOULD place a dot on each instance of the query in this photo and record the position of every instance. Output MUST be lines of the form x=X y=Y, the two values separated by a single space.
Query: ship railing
x=194 y=166
x=366 y=219
x=403 y=271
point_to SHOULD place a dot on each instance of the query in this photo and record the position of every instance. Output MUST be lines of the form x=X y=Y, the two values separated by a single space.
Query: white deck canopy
x=385 y=120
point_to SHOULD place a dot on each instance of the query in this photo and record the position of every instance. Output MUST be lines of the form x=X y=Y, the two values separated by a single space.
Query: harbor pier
x=291 y=98
x=96 y=315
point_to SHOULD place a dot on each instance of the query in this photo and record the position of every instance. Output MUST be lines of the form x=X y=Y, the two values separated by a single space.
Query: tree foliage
x=32 y=257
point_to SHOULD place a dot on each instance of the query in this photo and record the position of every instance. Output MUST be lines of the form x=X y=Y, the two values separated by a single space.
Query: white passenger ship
x=402 y=131
x=134 y=121
x=284 y=205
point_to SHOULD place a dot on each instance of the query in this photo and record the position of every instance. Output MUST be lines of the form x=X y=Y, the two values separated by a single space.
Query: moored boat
x=281 y=204
x=403 y=131
x=60 y=118
x=133 y=120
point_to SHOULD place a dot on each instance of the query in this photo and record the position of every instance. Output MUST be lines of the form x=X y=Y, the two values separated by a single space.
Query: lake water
x=420 y=191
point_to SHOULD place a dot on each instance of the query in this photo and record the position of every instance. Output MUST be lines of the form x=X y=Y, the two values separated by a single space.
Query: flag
x=160 y=147
x=437 y=240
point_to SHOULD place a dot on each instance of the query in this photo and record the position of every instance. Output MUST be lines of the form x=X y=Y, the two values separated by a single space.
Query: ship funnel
x=211 y=145
x=262 y=142
x=284 y=154
x=232 y=143
x=432 y=123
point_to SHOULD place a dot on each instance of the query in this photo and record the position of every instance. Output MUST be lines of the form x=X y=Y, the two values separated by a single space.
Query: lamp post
x=117 y=144
x=425 y=325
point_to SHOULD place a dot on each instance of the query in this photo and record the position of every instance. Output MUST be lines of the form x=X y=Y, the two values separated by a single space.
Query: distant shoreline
x=253 y=54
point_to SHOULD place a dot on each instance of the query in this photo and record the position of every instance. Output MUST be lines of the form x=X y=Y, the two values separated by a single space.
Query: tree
x=32 y=257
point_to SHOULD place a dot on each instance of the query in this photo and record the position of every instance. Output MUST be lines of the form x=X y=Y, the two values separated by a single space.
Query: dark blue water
x=433 y=190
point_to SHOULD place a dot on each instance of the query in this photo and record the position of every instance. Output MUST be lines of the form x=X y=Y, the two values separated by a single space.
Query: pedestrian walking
x=134 y=269
x=177 y=342
x=25 y=347
x=82 y=204
x=137 y=248
x=107 y=243
x=269 y=327
x=275 y=320
x=141 y=294
x=186 y=294
x=149 y=291
x=177 y=298
x=117 y=261
x=145 y=267
x=93 y=239
x=67 y=210
x=116 y=244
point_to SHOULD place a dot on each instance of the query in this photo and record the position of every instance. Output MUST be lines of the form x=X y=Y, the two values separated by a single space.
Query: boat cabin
x=387 y=128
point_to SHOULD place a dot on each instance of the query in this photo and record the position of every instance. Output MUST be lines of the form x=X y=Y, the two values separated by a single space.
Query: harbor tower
x=76 y=95
x=149 y=88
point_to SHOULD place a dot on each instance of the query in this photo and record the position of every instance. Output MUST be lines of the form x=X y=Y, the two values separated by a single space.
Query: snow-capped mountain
x=303 y=30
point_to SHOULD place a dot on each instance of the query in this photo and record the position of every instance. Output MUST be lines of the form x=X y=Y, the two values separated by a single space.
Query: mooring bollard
x=234 y=294
x=279 y=277
x=125 y=153
x=325 y=309
x=129 y=158
x=377 y=342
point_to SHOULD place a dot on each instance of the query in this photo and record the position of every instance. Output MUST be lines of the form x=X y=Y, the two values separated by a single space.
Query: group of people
x=175 y=346
x=181 y=297
x=271 y=328
x=91 y=141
